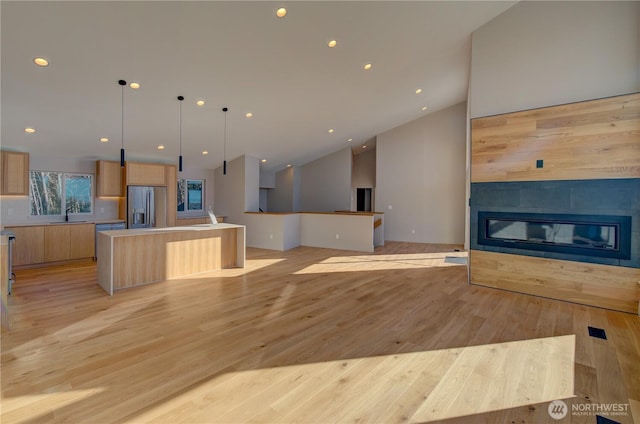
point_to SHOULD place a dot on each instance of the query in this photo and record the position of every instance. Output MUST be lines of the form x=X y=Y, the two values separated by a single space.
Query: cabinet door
x=146 y=174
x=109 y=179
x=14 y=173
x=172 y=195
x=56 y=242
x=82 y=241
x=29 y=245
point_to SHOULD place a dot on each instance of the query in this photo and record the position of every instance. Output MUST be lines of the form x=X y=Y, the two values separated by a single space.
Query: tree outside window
x=190 y=195
x=49 y=189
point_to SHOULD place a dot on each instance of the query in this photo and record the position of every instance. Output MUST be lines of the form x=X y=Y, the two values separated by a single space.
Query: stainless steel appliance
x=146 y=207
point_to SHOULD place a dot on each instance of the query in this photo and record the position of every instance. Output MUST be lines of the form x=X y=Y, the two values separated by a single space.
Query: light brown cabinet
x=109 y=179
x=52 y=243
x=172 y=195
x=14 y=175
x=145 y=174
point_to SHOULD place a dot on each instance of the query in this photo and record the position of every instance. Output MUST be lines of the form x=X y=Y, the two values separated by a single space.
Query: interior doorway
x=363 y=199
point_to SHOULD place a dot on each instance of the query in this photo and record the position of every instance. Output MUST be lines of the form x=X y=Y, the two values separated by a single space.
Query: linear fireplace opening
x=607 y=236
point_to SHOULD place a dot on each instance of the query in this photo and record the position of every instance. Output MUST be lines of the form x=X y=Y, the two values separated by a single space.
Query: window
x=49 y=189
x=191 y=195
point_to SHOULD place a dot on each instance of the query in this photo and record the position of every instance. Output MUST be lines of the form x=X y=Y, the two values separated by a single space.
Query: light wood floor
x=309 y=335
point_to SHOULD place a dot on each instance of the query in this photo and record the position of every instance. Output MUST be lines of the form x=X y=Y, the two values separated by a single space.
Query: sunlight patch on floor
x=40 y=407
x=361 y=263
x=413 y=387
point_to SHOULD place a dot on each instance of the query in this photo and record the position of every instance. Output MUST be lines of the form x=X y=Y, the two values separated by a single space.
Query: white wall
x=420 y=173
x=16 y=210
x=363 y=175
x=267 y=179
x=251 y=183
x=326 y=183
x=272 y=231
x=280 y=198
x=337 y=231
x=540 y=54
x=229 y=191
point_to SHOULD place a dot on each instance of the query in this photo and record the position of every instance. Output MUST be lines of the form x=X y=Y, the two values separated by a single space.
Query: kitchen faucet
x=66 y=216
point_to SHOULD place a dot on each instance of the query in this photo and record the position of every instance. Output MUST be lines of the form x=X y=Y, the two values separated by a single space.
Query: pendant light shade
x=122 y=83
x=180 y=99
x=224 y=163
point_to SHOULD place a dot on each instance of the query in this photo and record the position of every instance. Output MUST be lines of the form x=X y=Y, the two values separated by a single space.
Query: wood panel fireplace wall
x=579 y=160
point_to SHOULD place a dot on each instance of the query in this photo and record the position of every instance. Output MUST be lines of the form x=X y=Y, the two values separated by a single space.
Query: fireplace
x=605 y=236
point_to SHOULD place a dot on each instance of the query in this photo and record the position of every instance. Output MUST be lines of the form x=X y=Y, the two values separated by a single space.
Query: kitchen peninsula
x=129 y=258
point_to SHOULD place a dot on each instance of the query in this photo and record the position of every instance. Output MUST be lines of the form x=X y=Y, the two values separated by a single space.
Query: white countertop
x=182 y=228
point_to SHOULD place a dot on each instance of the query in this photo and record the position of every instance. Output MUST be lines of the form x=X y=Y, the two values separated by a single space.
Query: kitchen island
x=129 y=258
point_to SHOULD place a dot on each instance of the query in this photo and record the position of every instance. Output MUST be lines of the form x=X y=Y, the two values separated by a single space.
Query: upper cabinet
x=145 y=174
x=109 y=179
x=14 y=175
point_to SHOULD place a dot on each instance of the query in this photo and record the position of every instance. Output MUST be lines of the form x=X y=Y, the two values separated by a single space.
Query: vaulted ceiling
x=230 y=54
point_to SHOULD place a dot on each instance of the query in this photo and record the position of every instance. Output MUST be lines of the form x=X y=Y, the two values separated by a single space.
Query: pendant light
x=122 y=85
x=224 y=163
x=180 y=98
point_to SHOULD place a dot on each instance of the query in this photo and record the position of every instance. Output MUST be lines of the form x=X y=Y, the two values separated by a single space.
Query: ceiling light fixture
x=332 y=43
x=104 y=140
x=263 y=161
x=249 y=115
x=364 y=146
x=350 y=140
x=367 y=66
x=419 y=90
x=424 y=107
x=204 y=152
x=41 y=61
x=134 y=85
x=180 y=99
x=224 y=152
x=29 y=130
x=161 y=147
x=200 y=103
x=122 y=84
x=331 y=131
x=288 y=165
x=281 y=12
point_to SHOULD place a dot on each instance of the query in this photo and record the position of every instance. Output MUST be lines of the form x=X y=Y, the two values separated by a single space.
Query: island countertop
x=129 y=258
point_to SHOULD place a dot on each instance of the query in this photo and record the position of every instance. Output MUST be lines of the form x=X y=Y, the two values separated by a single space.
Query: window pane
x=78 y=193
x=181 y=191
x=45 y=192
x=194 y=194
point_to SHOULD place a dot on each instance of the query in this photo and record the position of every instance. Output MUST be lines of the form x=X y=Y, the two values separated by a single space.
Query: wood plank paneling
x=587 y=140
x=605 y=286
x=145 y=174
x=172 y=195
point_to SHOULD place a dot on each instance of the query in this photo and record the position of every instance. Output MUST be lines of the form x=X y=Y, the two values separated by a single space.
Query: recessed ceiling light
x=419 y=90
x=288 y=165
x=41 y=61
x=104 y=140
x=200 y=103
x=205 y=152
x=424 y=107
x=367 y=66
x=263 y=161
x=364 y=147
x=134 y=85
x=161 y=147
x=332 y=43
x=29 y=130
x=248 y=114
x=281 y=12
x=331 y=131
x=350 y=140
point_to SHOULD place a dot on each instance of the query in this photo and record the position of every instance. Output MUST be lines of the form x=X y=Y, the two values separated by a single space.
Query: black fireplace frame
x=622 y=224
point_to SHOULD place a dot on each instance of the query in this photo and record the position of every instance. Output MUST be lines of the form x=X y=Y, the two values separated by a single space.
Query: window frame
x=185 y=196
x=63 y=193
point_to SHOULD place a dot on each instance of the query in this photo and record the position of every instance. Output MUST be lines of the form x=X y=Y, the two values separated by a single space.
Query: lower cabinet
x=52 y=243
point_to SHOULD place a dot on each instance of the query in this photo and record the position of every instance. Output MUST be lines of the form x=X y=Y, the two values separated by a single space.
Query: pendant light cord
x=224 y=153
x=180 y=127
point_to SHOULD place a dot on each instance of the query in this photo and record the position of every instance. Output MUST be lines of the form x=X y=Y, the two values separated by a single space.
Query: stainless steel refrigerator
x=146 y=207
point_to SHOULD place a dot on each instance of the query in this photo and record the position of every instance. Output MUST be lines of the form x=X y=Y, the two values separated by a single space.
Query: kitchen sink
x=66 y=222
